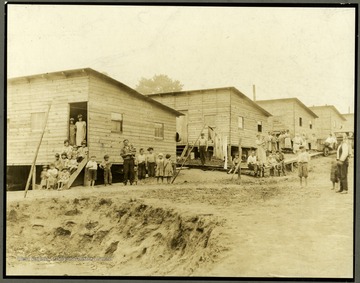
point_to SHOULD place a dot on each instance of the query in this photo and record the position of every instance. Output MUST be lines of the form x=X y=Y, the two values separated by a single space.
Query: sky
x=308 y=53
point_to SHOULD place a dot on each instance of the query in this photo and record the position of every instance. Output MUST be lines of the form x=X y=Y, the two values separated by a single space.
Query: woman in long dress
x=287 y=140
x=80 y=130
x=261 y=152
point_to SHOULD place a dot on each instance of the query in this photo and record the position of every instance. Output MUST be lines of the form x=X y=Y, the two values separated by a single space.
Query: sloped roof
x=89 y=71
x=329 y=107
x=290 y=99
x=235 y=90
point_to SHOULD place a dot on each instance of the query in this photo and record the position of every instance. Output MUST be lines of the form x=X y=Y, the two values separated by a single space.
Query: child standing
x=44 y=178
x=151 y=162
x=92 y=171
x=72 y=132
x=303 y=160
x=52 y=174
x=141 y=162
x=160 y=168
x=168 y=168
x=334 y=175
x=106 y=165
x=64 y=177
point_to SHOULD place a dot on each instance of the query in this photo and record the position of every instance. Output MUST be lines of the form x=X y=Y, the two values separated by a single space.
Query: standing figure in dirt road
x=151 y=162
x=160 y=168
x=261 y=153
x=168 y=168
x=141 y=163
x=72 y=132
x=342 y=157
x=128 y=154
x=203 y=147
x=106 y=166
x=303 y=161
x=80 y=130
x=91 y=166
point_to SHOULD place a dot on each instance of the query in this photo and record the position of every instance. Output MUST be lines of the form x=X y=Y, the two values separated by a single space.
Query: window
x=241 y=122
x=116 y=123
x=300 y=121
x=159 y=130
x=259 y=126
x=37 y=121
x=310 y=125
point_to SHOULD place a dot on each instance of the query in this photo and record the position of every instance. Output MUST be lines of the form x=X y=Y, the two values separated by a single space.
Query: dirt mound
x=123 y=238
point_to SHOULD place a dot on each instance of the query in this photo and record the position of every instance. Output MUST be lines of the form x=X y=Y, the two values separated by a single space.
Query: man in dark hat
x=203 y=147
x=128 y=154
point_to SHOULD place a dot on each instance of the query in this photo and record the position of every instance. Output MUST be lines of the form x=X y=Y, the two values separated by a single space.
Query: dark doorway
x=76 y=109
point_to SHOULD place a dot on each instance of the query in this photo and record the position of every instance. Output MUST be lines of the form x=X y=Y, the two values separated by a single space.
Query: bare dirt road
x=203 y=225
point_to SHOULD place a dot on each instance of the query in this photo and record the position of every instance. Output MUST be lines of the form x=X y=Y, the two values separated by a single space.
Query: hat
x=65 y=169
x=160 y=154
x=125 y=140
x=106 y=156
x=66 y=140
x=83 y=142
x=79 y=116
x=57 y=155
x=45 y=166
x=72 y=119
x=167 y=155
x=150 y=148
x=64 y=153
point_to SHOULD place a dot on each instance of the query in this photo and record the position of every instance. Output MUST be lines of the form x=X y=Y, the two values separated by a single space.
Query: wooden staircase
x=77 y=172
x=185 y=151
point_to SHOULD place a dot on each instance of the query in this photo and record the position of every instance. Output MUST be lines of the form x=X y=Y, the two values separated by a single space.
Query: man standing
x=128 y=154
x=342 y=157
x=203 y=147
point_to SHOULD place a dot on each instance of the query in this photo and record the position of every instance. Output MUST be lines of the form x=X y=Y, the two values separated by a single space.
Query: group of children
x=57 y=175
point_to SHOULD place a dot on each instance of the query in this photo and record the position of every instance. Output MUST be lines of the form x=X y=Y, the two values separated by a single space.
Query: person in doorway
x=80 y=130
x=128 y=154
x=72 y=132
x=91 y=166
x=151 y=162
x=303 y=161
x=106 y=166
x=203 y=147
x=342 y=157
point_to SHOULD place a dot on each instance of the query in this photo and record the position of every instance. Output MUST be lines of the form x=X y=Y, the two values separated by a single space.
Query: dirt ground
x=205 y=224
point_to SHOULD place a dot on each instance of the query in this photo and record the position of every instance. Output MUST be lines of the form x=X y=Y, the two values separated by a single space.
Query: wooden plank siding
x=251 y=115
x=329 y=121
x=33 y=95
x=139 y=117
x=200 y=104
x=287 y=113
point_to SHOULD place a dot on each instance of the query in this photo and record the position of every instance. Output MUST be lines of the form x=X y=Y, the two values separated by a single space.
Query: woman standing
x=80 y=127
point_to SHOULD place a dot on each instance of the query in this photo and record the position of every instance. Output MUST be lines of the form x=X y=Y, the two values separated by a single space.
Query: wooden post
x=240 y=156
x=34 y=178
x=187 y=156
x=37 y=152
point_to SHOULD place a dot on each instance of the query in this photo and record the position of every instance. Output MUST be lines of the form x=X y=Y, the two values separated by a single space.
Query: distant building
x=112 y=111
x=330 y=120
x=226 y=110
x=291 y=114
x=349 y=124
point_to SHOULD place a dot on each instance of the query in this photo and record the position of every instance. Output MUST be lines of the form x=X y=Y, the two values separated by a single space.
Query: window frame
x=242 y=122
x=300 y=122
x=260 y=123
x=162 y=131
x=119 y=119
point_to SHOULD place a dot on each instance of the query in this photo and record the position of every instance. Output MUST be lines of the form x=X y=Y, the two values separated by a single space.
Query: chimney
x=254 y=93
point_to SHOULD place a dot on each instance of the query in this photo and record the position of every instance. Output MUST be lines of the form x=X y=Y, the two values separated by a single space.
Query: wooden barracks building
x=112 y=111
x=226 y=110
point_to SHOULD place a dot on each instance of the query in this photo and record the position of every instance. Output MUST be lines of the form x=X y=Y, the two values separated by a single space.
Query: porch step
x=77 y=172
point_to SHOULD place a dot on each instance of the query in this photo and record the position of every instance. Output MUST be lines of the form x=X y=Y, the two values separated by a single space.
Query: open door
x=76 y=109
x=182 y=127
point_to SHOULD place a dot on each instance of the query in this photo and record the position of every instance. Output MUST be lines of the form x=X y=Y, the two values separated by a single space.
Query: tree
x=158 y=84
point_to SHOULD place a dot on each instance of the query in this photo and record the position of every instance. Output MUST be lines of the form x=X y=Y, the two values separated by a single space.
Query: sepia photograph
x=180 y=140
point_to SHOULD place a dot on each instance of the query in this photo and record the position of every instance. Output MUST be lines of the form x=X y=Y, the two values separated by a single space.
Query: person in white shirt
x=252 y=163
x=92 y=171
x=342 y=157
x=303 y=160
x=331 y=141
x=203 y=147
